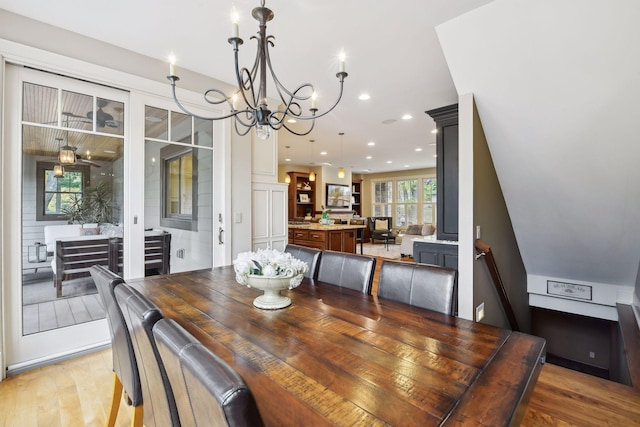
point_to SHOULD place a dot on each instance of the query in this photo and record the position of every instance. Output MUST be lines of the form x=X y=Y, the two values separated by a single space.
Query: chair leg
x=116 y=395
x=136 y=420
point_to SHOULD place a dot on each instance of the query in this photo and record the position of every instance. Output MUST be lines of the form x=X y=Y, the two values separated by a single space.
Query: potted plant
x=325 y=216
x=95 y=206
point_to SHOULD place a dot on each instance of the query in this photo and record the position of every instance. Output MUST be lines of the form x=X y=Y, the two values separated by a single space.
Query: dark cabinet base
x=440 y=254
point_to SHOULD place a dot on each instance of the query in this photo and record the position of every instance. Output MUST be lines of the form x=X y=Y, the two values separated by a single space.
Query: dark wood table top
x=338 y=357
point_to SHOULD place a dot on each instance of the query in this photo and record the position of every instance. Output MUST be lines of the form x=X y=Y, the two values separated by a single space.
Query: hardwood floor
x=76 y=392
x=72 y=393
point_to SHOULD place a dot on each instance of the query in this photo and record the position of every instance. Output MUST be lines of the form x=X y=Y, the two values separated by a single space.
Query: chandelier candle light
x=252 y=88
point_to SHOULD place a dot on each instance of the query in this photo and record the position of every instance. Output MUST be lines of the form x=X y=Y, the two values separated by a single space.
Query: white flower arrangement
x=269 y=263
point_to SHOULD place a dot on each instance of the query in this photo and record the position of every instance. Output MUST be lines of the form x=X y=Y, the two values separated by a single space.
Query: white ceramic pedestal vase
x=271 y=299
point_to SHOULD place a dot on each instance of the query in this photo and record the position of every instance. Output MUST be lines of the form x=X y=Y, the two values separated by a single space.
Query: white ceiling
x=391 y=46
x=557 y=86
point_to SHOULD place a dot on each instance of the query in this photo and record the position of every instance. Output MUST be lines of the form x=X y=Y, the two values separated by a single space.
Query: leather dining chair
x=347 y=270
x=140 y=315
x=421 y=285
x=208 y=391
x=309 y=255
x=125 y=368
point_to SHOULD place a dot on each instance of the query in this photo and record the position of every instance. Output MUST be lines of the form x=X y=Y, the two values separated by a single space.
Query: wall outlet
x=592 y=355
x=480 y=312
x=477 y=232
x=180 y=253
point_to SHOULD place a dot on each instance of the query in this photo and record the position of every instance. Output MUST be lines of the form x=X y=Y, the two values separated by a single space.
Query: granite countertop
x=433 y=239
x=317 y=226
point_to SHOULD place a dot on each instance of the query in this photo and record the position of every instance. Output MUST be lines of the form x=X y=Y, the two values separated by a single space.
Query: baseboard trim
x=39 y=363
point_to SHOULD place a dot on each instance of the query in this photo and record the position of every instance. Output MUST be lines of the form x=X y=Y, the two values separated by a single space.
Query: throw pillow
x=382 y=224
x=428 y=229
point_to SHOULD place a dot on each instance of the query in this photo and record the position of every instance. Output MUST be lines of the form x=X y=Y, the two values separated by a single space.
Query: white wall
x=558 y=101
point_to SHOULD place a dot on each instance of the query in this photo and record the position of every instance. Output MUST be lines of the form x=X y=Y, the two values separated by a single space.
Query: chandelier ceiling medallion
x=252 y=88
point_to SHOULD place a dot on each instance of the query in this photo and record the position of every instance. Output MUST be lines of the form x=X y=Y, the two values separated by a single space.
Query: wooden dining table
x=339 y=357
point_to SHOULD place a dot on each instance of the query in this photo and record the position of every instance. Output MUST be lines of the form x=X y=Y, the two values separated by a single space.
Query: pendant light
x=67 y=153
x=312 y=174
x=58 y=171
x=341 y=173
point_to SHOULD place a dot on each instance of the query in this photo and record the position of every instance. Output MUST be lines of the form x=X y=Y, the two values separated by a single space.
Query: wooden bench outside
x=74 y=257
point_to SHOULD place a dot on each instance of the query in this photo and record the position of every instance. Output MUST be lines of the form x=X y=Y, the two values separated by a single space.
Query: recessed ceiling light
x=371 y=144
x=407 y=117
x=389 y=162
x=323 y=153
x=287 y=159
x=291 y=121
x=369 y=157
x=432 y=143
x=418 y=149
x=435 y=130
x=406 y=166
x=435 y=155
x=364 y=97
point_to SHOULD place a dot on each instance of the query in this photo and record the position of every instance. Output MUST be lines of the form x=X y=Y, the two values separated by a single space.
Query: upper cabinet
x=356 y=194
x=302 y=195
x=446 y=119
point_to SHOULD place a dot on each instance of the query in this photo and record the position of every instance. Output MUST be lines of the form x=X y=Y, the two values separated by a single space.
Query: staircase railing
x=484 y=251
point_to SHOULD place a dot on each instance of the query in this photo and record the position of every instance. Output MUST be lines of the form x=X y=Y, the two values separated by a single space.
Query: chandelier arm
x=242 y=74
x=341 y=75
x=280 y=86
x=250 y=116
x=235 y=124
x=247 y=87
x=234 y=113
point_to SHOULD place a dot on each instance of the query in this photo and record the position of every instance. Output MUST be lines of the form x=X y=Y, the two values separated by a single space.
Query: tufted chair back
x=347 y=270
x=421 y=285
x=208 y=391
x=140 y=315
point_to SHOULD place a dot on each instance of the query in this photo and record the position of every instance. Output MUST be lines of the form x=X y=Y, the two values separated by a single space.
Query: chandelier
x=252 y=89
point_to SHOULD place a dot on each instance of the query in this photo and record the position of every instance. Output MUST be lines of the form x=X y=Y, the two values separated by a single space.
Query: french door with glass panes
x=64 y=174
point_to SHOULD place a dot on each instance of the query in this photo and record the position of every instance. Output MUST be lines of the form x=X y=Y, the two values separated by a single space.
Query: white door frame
x=26 y=55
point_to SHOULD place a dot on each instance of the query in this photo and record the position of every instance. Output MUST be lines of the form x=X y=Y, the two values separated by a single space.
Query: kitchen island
x=335 y=237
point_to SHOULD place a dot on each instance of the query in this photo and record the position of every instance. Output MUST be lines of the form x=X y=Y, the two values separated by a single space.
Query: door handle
x=220 y=232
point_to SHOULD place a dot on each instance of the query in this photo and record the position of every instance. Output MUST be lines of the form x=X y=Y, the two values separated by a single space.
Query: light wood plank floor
x=76 y=393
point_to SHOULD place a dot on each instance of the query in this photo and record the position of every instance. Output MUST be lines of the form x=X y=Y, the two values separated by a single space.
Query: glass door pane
x=178 y=189
x=72 y=209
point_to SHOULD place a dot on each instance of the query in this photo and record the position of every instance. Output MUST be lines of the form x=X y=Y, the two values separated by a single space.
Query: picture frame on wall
x=338 y=196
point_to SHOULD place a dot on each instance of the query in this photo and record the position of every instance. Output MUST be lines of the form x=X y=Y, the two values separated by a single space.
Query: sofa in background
x=413 y=231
